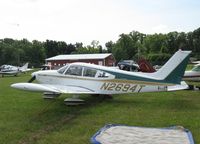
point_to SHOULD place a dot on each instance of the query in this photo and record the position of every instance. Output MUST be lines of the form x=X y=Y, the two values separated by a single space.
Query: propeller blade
x=32 y=79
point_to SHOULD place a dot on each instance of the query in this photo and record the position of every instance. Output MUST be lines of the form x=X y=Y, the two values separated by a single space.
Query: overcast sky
x=86 y=20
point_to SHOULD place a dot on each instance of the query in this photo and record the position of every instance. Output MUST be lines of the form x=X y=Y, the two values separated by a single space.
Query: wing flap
x=71 y=89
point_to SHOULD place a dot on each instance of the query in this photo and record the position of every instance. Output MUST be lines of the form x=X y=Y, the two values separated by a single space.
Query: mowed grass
x=26 y=118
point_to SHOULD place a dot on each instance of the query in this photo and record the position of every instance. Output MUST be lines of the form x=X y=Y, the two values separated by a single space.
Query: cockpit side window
x=89 y=72
x=74 y=70
x=61 y=70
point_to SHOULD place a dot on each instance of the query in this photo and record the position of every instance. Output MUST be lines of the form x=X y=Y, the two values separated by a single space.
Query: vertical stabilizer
x=24 y=68
x=173 y=70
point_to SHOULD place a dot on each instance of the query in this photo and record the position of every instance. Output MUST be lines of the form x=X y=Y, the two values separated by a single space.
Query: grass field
x=26 y=118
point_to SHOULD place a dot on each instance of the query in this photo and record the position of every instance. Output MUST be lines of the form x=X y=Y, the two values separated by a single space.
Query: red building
x=106 y=59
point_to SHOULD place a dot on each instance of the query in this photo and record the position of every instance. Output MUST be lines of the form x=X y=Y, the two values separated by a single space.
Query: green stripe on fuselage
x=133 y=78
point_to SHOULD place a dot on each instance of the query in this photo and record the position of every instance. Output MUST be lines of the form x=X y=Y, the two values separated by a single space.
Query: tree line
x=154 y=47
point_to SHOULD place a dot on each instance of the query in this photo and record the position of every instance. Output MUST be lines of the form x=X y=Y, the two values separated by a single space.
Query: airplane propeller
x=32 y=79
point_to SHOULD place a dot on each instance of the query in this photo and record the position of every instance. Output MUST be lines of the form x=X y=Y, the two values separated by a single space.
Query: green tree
x=196 y=42
x=109 y=45
x=37 y=54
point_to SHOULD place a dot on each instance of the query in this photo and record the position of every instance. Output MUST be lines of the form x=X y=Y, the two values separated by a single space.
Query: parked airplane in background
x=84 y=78
x=194 y=74
x=13 y=70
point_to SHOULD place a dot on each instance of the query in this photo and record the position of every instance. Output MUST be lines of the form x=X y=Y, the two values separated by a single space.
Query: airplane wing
x=9 y=72
x=53 y=88
x=28 y=69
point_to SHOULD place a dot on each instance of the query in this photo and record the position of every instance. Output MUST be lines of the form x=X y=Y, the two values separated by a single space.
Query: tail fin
x=173 y=70
x=24 y=68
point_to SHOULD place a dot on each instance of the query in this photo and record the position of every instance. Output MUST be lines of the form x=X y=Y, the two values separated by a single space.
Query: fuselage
x=84 y=78
x=96 y=79
x=9 y=70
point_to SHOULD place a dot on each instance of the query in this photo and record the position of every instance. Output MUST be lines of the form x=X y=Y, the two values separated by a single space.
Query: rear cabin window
x=74 y=70
x=102 y=74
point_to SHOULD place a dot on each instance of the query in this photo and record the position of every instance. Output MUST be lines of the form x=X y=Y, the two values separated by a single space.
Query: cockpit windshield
x=62 y=69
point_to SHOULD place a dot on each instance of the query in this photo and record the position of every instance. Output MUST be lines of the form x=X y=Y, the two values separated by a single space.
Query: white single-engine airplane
x=84 y=78
x=13 y=70
x=193 y=74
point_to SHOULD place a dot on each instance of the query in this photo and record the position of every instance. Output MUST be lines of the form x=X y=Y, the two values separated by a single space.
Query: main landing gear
x=48 y=95
x=75 y=100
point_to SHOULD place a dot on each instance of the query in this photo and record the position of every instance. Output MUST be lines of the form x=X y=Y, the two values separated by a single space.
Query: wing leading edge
x=52 y=88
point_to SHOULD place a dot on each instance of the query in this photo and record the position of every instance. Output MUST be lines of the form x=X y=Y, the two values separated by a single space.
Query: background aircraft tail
x=173 y=70
x=24 y=68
